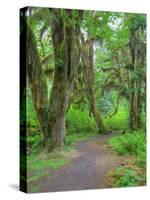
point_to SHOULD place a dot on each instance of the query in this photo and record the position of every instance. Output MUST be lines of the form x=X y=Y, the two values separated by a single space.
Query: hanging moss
x=37 y=82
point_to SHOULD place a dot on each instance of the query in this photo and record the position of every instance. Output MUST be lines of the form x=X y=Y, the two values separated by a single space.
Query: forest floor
x=88 y=169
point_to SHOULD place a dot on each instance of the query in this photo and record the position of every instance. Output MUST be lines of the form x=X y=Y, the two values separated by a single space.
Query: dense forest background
x=86 y=75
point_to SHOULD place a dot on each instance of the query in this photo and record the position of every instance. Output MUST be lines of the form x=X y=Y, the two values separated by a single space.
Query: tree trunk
x=135 y=83
x=65 y=37
x=37 y=83
x=88 y=61
x=61 y=91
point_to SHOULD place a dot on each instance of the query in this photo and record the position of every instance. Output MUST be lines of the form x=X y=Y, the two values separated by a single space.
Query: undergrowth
x=119 y=121
x=131 y=143
x=79 y=126
x=128 y=176
x=79 y=121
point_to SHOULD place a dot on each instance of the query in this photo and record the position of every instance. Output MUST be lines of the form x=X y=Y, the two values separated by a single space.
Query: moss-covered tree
x=65 y=27
x=37 y=83
x=137 y=68
x=87 y=59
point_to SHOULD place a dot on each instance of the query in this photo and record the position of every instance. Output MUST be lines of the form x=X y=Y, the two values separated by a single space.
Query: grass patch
x=36 y=177
x=53 y=163
x=73 y=138
x=35 y=188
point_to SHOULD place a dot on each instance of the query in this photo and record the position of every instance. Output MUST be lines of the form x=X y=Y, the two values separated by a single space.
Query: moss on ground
x=53 y=163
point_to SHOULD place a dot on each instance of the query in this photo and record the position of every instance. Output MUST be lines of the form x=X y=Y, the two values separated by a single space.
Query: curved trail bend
x=87 y=171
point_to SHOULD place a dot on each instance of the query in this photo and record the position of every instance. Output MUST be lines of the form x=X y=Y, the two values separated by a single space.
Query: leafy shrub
x=31 y=114
x=131 y=143
x=34 y=139
x=34 y=142
x=128 y=177
x=79 y=121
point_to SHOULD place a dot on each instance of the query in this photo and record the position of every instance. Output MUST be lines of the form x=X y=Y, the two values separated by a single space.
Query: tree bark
x=91 y=92
x=137 y=60
x=37 y=83
x=65 y=37
x=88 y=62
x=133 y=102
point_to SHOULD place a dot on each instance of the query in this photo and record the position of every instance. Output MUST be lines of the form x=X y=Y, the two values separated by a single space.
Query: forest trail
x=87 y=171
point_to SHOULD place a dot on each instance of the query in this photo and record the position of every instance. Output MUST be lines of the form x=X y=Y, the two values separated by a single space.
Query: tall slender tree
x=87 y=59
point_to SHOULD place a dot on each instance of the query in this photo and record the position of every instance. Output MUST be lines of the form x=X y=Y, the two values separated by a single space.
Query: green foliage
x=34 y=142
x=128 y=177
x=79 y=121
x=33 y=134
x=119 y=121
x=31 y=114
x=97 y=24
x=34 y=139
x=131 y=143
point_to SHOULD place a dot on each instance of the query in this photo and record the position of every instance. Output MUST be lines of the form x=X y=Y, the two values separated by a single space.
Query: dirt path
x=88 y=171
